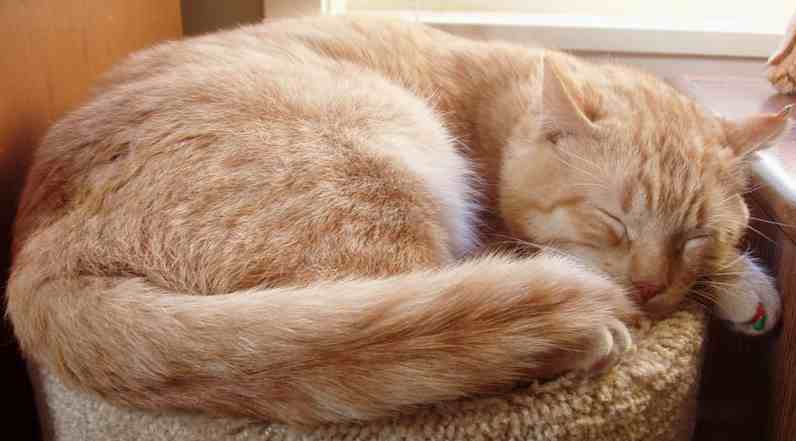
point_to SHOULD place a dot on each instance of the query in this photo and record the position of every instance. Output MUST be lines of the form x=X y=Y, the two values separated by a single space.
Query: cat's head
x=619 y=170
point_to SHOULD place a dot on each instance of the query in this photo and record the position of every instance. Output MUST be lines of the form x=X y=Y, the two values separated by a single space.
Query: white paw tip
x=760 y=323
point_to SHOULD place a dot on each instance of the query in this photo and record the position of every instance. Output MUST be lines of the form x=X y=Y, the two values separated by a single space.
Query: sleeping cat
x=291 y=221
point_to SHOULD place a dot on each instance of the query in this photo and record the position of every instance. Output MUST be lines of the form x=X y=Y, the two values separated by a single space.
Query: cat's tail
x=343 y=350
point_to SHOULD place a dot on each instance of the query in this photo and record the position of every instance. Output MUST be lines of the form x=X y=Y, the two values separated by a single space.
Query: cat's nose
x=647 y=290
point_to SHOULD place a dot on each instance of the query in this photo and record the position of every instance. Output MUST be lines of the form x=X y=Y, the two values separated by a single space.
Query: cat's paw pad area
x=605 y=348
x=753 y=306
x=764 y=319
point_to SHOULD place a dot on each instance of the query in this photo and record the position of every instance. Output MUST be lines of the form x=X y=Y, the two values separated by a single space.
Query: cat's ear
x=757 y=132
x=561 y=113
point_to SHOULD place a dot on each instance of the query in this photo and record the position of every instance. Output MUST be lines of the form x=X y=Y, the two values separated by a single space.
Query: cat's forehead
x=677 y=148
x=673 y=189
x=646 y=108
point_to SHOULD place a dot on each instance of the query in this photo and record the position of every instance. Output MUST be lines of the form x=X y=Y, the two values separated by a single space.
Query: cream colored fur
x=270 y=221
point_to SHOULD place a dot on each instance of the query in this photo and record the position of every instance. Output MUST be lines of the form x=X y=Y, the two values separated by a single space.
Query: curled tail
x=356 y=349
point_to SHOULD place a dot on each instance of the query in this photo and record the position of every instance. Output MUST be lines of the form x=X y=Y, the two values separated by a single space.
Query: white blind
x=767 y=16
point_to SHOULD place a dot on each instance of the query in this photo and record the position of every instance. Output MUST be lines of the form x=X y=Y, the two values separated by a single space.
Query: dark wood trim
x=751 y=383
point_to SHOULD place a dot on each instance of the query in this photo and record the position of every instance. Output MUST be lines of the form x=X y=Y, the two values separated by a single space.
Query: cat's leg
x=334 y=351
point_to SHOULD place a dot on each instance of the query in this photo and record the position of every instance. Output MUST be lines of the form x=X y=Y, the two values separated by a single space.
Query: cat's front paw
x=590 y=331
x=604 y=348
x=766 y=313
x=752 y=304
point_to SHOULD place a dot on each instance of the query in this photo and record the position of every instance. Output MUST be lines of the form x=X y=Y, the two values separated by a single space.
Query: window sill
x=604 y=34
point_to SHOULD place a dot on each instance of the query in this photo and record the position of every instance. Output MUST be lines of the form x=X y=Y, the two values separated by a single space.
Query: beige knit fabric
x=650 y=395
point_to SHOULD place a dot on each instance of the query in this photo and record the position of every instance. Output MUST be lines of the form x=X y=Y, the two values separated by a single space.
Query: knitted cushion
x=650 y=395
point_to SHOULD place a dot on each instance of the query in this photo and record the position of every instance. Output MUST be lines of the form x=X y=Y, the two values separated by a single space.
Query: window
x=737 y=28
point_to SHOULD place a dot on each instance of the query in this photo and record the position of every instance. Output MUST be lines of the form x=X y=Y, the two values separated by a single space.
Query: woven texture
x=650 y=395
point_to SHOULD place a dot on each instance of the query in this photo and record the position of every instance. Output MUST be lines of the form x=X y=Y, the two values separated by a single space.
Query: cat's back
x=212 y=82
x=239 y=69
x=264 y=123
x=309 y=42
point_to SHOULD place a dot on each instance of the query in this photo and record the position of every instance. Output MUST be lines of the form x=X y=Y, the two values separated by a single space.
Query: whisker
x=540 y=247
x=731 y=221
x=712 y=299
x=726 y=289
x=587 y=184
x=700 y=297
x=772 y=222
x=703 y=305
x=734 y=261
x=582 y=159
x=514 y=241
x=761 y=234
x=733 y=273
x=717 y=283
x=569 y=164
x=751 y=190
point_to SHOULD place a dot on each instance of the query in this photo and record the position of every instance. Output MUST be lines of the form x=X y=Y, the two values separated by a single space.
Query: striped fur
x=270 y=221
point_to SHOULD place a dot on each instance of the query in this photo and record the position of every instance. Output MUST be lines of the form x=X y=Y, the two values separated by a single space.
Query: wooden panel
x=202 y=16
x=50 y=53
x=783 y=401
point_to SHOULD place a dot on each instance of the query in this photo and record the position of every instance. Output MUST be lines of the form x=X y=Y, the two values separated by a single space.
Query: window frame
x=632 y=35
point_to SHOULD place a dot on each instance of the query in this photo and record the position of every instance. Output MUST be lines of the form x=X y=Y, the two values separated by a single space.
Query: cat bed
x=649 y=395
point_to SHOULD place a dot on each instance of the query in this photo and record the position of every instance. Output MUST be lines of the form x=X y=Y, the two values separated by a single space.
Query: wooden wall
x=202 y=16
x=50 y=53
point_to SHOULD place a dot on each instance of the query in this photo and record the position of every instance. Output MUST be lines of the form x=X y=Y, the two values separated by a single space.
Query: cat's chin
x=661 y=306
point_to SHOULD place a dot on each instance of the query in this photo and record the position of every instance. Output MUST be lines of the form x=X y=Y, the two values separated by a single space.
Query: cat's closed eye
x=617 y=229
x=695 y=241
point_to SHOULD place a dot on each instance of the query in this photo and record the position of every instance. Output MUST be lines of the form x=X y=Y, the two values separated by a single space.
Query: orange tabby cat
x=270 y=221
